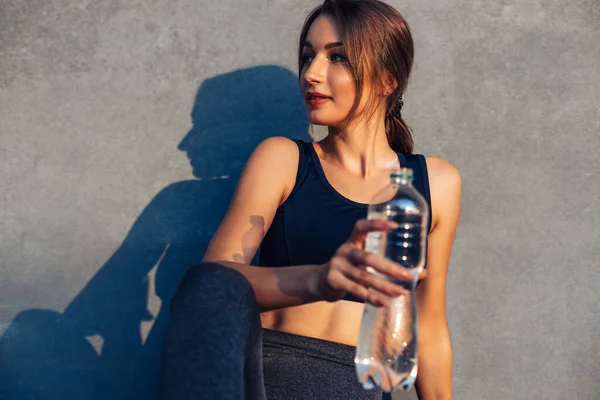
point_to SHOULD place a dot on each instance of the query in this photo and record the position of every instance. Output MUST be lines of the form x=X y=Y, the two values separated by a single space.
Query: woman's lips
x=317 y=101
x=314 y=98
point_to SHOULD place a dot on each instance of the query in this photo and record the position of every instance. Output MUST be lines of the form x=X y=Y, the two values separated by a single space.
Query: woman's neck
x=362 y=149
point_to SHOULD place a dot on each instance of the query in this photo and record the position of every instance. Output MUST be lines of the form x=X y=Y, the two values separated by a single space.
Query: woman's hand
x=346 y=270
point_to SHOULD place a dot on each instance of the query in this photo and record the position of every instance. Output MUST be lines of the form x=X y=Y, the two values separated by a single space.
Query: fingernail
x=393 y=224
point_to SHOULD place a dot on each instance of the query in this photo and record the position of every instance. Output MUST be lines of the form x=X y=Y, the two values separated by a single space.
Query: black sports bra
x=316 y=219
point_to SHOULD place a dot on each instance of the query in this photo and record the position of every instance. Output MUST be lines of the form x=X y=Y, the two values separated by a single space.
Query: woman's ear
x=389 y=84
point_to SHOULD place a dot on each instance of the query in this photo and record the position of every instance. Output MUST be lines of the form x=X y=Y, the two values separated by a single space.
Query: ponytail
x=399 y=134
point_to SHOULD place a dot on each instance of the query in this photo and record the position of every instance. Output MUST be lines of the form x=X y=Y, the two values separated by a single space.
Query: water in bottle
x=386 y=355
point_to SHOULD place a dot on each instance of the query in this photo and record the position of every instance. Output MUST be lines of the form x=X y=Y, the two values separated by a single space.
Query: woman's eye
x=338 y=58
x=335 y=58
x=306 y=59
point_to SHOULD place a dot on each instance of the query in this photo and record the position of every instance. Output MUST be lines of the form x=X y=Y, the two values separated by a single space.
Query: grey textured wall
x=104 y=106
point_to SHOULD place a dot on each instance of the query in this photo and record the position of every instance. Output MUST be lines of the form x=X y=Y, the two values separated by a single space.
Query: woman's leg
x=300 y=367
x=213 y=346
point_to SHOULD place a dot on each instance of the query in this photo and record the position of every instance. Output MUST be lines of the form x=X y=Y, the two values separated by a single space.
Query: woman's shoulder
x=278 y=158
x=445 y=184
x=442 y=170
x=277 y=150
x=280 y=144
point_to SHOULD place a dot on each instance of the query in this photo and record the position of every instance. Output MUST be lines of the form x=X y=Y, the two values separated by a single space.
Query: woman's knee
x=213 y=303
x=217 y=284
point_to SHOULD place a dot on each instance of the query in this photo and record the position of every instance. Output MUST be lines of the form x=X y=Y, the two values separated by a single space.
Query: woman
x=304 y=205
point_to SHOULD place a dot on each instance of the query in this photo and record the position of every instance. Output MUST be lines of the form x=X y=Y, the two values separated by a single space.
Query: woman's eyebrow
x=327 y=46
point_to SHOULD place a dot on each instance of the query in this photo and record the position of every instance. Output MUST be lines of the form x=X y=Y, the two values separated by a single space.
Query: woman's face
x=325 y=70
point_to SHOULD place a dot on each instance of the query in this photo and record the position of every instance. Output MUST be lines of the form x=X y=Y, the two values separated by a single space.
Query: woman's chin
x=315 y=120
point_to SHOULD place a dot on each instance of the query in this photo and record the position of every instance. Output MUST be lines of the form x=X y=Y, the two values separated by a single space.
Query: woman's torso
x=337 y=322
x=316 y=217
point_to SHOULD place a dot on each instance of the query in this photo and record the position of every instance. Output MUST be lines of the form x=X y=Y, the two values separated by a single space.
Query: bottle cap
x=402 y=173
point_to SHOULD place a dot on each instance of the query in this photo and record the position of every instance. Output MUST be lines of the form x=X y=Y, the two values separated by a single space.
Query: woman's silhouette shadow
x=107 y=342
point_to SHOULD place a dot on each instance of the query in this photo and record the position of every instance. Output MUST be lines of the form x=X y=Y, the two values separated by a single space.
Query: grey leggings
x=215 y=348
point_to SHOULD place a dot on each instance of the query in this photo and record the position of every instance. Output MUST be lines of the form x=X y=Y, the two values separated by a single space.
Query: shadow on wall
x=106 y=344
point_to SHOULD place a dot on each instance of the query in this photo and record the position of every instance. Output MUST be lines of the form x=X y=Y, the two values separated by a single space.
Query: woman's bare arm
x=434 y=380
x=265 y=182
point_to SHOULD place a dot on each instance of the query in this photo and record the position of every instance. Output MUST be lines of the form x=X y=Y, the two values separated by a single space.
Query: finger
x=347 y=283
x=364 y=226
x=362 y=267
x=423 y=274
x=371 y=280
x=380 y=264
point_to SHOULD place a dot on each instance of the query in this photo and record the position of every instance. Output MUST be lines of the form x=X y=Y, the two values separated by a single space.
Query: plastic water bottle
x=386 y=355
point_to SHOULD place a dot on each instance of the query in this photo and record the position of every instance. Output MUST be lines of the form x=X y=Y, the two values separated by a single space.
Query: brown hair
x=378 y=44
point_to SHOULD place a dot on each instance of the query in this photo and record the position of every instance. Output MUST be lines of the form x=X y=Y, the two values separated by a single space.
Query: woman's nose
x=315 y=71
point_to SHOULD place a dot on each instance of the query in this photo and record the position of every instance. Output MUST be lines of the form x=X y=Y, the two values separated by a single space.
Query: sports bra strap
x=417 y=163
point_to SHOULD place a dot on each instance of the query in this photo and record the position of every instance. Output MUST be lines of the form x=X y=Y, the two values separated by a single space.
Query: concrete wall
x=124 y=125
